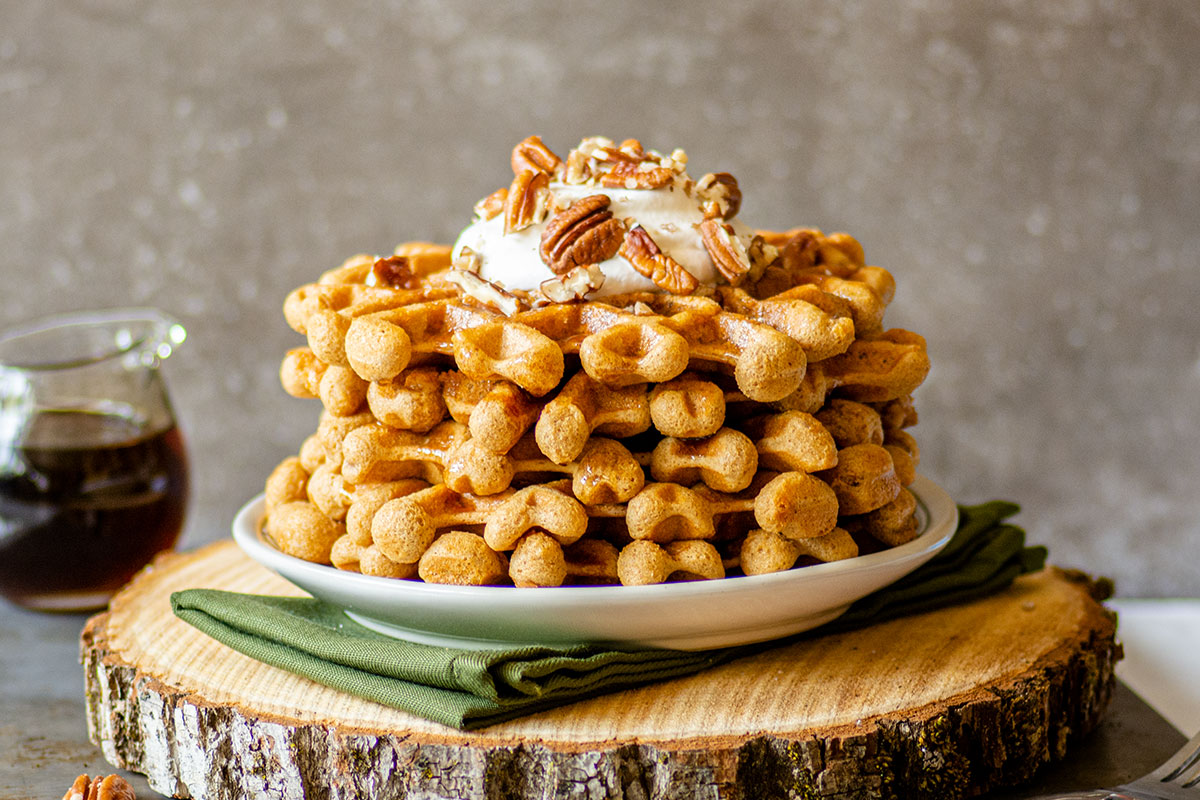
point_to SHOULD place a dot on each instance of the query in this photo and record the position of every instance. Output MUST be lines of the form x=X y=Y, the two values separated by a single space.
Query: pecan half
x=528 y=200
x=719 y=195
x=583 y=233
x=637 y=175
x=644 y=254
x=112 y=787
x=725 y=249
x=531 y=154
x=493 y=204
x=573 y=285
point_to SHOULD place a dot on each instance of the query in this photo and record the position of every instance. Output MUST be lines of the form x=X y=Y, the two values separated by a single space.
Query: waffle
x=472 y=433
x=641 y=337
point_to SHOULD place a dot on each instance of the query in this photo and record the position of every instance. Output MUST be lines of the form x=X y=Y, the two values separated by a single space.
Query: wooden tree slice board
x=944 y=704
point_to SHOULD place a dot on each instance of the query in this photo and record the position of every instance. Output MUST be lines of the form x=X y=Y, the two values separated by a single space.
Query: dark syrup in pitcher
x=87 y=498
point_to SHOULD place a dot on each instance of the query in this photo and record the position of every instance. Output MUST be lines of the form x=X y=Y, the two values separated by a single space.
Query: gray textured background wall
x=1029 y=172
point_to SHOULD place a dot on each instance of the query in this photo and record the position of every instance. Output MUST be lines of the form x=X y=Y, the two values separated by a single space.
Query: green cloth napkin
x=474 y=688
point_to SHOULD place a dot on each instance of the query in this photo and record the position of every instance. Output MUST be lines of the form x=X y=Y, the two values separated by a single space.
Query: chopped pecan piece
x=578 y=169
x=485 y=291
x=640 y=308
x=601 y=149
x=468 y=260
x=641 y=251
x=719 y=195
x=633 y=147
x=493 y=204
x=762 y=255
x=800 y=251
x=584 y=233
x=637 y=175
x=393 y=272
x=725 y=249
x=573 y=285
x=528 y=200
x=112 y=787
x=677 y=161
x=531 y=154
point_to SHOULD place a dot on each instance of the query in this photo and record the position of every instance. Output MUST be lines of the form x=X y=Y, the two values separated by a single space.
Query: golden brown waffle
x=476 y=435
x=766 y=343
x=387 y=527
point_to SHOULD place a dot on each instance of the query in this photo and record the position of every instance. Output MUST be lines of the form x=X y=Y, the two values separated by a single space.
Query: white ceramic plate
x=695 y=615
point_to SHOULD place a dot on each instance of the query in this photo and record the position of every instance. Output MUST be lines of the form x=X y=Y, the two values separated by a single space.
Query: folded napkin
x=474 y=688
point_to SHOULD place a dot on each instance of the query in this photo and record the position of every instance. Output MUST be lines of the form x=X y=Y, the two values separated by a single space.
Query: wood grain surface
x=954 y=702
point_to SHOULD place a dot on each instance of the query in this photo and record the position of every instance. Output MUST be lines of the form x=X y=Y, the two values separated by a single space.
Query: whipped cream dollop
x=670 y=213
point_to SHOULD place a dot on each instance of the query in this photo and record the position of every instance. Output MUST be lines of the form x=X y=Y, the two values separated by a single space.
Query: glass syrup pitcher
x=93 y=471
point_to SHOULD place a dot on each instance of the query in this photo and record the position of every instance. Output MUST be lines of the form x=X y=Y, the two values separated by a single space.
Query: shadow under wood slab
x=945 y=704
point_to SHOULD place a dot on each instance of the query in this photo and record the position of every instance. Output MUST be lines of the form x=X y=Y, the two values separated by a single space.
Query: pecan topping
x=528 y=200
x=645 y=256
x=573 y=285
x=762 y=255
x=719 y=195
x=637 y=175
x=112 y=787
x=393 y=272
x=531 y=154
x=628 y=165
x=640 y=308
x=468 y=260
x=800 y=251
x=493 y=204
x=584 y=233
x=602 y=149
x=578 y=170
x=634 y=148
x=486 y=292
x=725 y=249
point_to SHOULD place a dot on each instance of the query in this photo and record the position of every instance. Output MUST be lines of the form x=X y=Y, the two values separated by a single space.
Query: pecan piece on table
x=644 y=254
x=719 y=195
x=112 y=787
x=726 y=250
x=583 y=233
x=531 y=154
x=528 y=200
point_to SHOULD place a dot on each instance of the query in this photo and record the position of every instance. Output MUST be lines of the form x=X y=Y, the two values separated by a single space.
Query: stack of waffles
x=695 y=428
